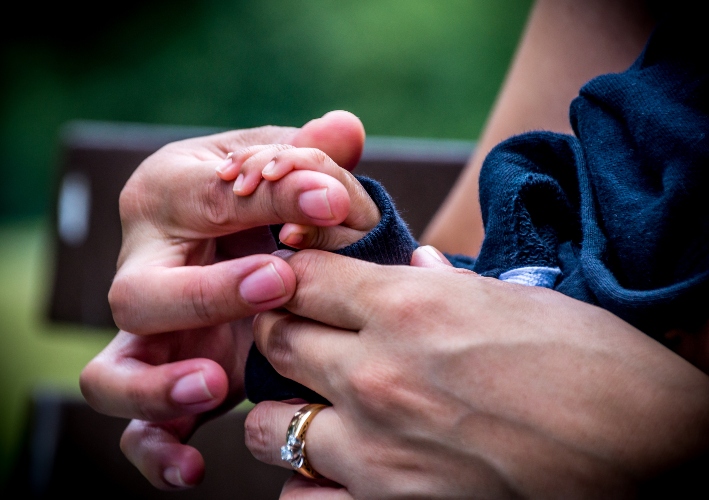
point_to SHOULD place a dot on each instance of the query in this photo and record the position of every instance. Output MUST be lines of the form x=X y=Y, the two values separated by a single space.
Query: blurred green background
x=413 y=68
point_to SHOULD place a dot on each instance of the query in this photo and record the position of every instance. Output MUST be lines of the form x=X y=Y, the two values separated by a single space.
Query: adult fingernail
x=262 y=285
x=283 y=253
x=315 y=204
x=173 y=476
x=432 y=252
x=191 y=389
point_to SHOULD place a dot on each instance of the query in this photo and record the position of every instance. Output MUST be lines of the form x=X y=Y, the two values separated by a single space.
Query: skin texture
x=511 y=391
x=184 y=294
x=444 y=384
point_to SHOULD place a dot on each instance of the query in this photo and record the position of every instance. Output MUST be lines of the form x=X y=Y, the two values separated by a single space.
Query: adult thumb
x=339 y=134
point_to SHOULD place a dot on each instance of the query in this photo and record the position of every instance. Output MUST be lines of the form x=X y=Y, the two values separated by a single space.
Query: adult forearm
x=565 y=44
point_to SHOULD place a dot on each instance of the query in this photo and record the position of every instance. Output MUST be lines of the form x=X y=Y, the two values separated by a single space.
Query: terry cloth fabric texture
x=390 y=242
x=620 y=207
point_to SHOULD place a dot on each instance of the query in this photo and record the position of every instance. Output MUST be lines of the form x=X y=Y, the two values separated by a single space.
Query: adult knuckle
x=125 y=445
x=137 y=179
x=128 y=199
x=203 y=298
x=87 y=385
x=119 y=300
x=255 y=432
x=307 y=271
x=306 y=265
x=142 y=405
x=213 y=204
x=280 y=200
x=132 y=444
x=126 y=299
x=320 y=238
x=363 y=384
x=376 y=386
x=402 y=306
x=259 y=325
x=279 y=344
x=140 y=191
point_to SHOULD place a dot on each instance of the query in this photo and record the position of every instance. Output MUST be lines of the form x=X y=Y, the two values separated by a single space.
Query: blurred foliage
x=35 y=353
x=417 y=68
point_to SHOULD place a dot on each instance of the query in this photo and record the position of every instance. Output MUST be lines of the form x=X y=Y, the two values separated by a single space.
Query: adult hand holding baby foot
x=342 y=212
x=183 y=302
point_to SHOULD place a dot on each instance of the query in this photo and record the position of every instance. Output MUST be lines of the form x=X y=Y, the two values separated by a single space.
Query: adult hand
x=186 y=286
x=447 y=384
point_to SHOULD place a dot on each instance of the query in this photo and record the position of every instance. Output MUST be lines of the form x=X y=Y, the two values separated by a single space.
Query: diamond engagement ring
x=293 y=451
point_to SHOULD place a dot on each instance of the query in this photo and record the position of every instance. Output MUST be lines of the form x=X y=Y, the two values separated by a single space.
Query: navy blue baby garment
x=621 y=206
x=390 y=242
x=614 y=215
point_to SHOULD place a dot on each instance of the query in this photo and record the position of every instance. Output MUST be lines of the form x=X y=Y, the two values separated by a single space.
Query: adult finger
x=339 y=134
x=122 y=386
x=152 y=298
x=265 y=433
x=340 y=291
x=346 y=293
x=158 y=453
x=302 y=350
x=321 y=238
x=179 y=294
x=197 y=204
x=298 y=487
x=178 y=188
